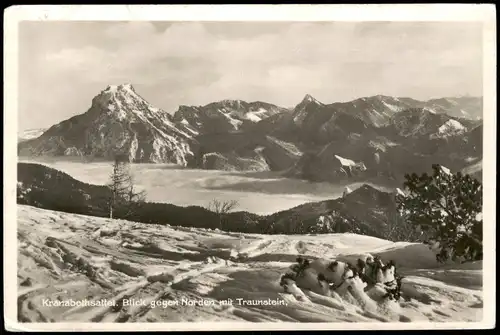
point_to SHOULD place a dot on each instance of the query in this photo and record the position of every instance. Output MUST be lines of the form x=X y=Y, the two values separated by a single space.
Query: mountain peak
x=301 y=110
x=121 y=87
x=310 y=98
x=119 y=95
x=119 y=121
x=366 y=192
x=185 y=107
x=232 y=103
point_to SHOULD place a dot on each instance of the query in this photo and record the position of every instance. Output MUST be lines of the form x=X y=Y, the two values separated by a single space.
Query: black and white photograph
x=230 y=171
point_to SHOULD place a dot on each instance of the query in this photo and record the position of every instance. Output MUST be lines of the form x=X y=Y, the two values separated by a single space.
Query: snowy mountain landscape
x=258 y=172
x=357 y=152
x=361 y=139
x=66 y=256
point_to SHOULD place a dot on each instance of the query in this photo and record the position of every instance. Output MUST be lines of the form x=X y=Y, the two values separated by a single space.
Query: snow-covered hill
x=65 y=257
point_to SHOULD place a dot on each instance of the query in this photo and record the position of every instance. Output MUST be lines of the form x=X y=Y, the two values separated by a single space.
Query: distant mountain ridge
x=383 y=137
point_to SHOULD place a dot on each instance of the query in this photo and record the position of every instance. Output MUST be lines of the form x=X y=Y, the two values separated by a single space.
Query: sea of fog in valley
x=256 y=192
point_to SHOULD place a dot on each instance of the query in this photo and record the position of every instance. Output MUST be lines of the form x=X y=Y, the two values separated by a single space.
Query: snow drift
x=134 y=272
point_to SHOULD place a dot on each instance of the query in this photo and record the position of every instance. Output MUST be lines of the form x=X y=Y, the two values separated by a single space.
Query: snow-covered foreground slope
x=65 y=256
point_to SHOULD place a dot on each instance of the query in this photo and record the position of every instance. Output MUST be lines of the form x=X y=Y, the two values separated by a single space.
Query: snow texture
x=445 y=170
x=451 y=127
x=345 y=161
x=66 y=256
x=400 y=192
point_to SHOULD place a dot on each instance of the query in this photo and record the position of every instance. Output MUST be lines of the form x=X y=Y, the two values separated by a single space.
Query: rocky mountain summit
x=223 y=116
x=370 y=137
x=119 y=121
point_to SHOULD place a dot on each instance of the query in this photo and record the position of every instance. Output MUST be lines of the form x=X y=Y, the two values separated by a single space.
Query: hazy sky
x=63 y=65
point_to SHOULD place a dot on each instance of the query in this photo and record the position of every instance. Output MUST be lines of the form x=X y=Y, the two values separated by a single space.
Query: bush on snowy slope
x=369 y=283
x=447 y=208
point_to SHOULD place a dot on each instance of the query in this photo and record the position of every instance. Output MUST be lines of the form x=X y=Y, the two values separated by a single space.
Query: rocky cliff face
x=223 y=116
x=119 y=121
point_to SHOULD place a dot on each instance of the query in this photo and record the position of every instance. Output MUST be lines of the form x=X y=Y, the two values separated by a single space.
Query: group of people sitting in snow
x=369 y=274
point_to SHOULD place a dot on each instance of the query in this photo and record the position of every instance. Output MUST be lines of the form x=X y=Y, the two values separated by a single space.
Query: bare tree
x=123 y=192
x=134 y=199
x=222 y=208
